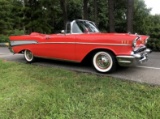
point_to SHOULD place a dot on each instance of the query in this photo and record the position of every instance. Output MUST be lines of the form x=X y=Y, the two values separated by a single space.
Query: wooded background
x=49 y=16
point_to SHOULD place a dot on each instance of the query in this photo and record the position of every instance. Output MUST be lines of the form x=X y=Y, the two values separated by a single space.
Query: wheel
x=28 y=56
x=104 y=62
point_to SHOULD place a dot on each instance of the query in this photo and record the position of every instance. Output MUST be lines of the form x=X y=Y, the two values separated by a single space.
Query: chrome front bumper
x=136 y=57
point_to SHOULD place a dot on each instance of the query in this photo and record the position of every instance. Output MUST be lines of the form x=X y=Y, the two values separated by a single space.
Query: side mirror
x=63 y=31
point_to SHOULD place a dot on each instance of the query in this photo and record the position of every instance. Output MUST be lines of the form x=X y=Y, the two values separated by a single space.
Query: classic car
x=82 y=40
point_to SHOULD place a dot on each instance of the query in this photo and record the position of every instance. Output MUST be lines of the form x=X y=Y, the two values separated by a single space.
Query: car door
x=58 y=46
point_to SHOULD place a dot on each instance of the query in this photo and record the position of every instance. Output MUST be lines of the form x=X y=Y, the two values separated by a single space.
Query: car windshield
x=82 y=26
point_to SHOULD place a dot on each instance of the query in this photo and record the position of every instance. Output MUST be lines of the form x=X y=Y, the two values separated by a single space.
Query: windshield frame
x=89 y=25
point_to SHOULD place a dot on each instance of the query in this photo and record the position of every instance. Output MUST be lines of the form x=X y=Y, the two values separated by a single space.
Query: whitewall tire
x=28 y=56
x=104 y=62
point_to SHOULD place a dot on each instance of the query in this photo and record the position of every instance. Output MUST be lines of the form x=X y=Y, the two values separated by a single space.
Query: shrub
x=154 y=44
x=5 y=38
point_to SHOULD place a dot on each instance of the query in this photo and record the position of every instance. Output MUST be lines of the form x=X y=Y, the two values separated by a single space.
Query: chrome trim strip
x=26 y=42
x=110 y=44
x=23 y=42
x=85 y=43
x=57 y=43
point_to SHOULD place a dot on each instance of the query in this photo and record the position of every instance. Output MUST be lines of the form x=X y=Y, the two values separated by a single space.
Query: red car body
x=76 y=45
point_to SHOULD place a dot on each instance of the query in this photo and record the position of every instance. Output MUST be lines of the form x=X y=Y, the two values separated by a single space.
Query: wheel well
x=89 y=56
x=22 y=51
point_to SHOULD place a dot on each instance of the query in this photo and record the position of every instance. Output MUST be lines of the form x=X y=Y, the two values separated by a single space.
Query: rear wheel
x=104 y=62
x=28 y=56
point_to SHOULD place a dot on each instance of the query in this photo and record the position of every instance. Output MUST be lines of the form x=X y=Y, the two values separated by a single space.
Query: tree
x=111 y=4
x=141 y=20
x=18 y=15
x=130 y=9
x=63 y=4
x=85 y=9
x=6 y=16
x=95 y=11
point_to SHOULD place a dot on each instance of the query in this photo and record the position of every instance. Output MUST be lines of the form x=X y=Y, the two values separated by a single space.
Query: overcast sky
x=154 y=4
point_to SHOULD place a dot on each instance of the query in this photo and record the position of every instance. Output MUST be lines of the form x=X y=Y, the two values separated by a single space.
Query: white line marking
x=156 y=68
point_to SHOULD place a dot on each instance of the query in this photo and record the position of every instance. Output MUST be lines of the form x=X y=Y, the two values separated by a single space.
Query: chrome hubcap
x=103 y=61
x=29 y=55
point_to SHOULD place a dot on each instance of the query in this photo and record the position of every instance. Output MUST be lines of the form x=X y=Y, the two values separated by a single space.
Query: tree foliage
x=5 y=13
x=26 y=16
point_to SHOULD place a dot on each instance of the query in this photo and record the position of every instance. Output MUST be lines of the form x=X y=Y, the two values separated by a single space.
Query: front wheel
x=28 y=56
x=104 y=62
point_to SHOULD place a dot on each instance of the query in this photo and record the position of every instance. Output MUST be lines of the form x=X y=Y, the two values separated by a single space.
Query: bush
x=5 y=38
x=17 y=32
x=154 y=44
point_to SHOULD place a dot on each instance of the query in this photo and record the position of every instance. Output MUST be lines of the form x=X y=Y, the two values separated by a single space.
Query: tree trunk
x=63 y=4
x=24 y=6
x=95 y=12
x=130 y=8
x=111 y=15
x=85 y=9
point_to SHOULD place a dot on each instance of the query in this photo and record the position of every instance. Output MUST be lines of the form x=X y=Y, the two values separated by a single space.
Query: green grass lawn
x=36 y=92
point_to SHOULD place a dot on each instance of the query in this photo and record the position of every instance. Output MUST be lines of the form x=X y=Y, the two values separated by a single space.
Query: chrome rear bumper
x=134 y=58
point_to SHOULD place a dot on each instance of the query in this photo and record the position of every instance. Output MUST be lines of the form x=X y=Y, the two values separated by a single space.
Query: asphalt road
x=149 y=72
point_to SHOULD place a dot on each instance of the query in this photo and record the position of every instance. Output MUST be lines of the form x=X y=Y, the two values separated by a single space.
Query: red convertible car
x=80 y=40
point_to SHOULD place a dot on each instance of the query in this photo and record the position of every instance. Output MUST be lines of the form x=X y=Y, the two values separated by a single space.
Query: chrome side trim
x=23 y=42
x=109 y=44
x=57 y=43
x=26 y=42
x=85 y=43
